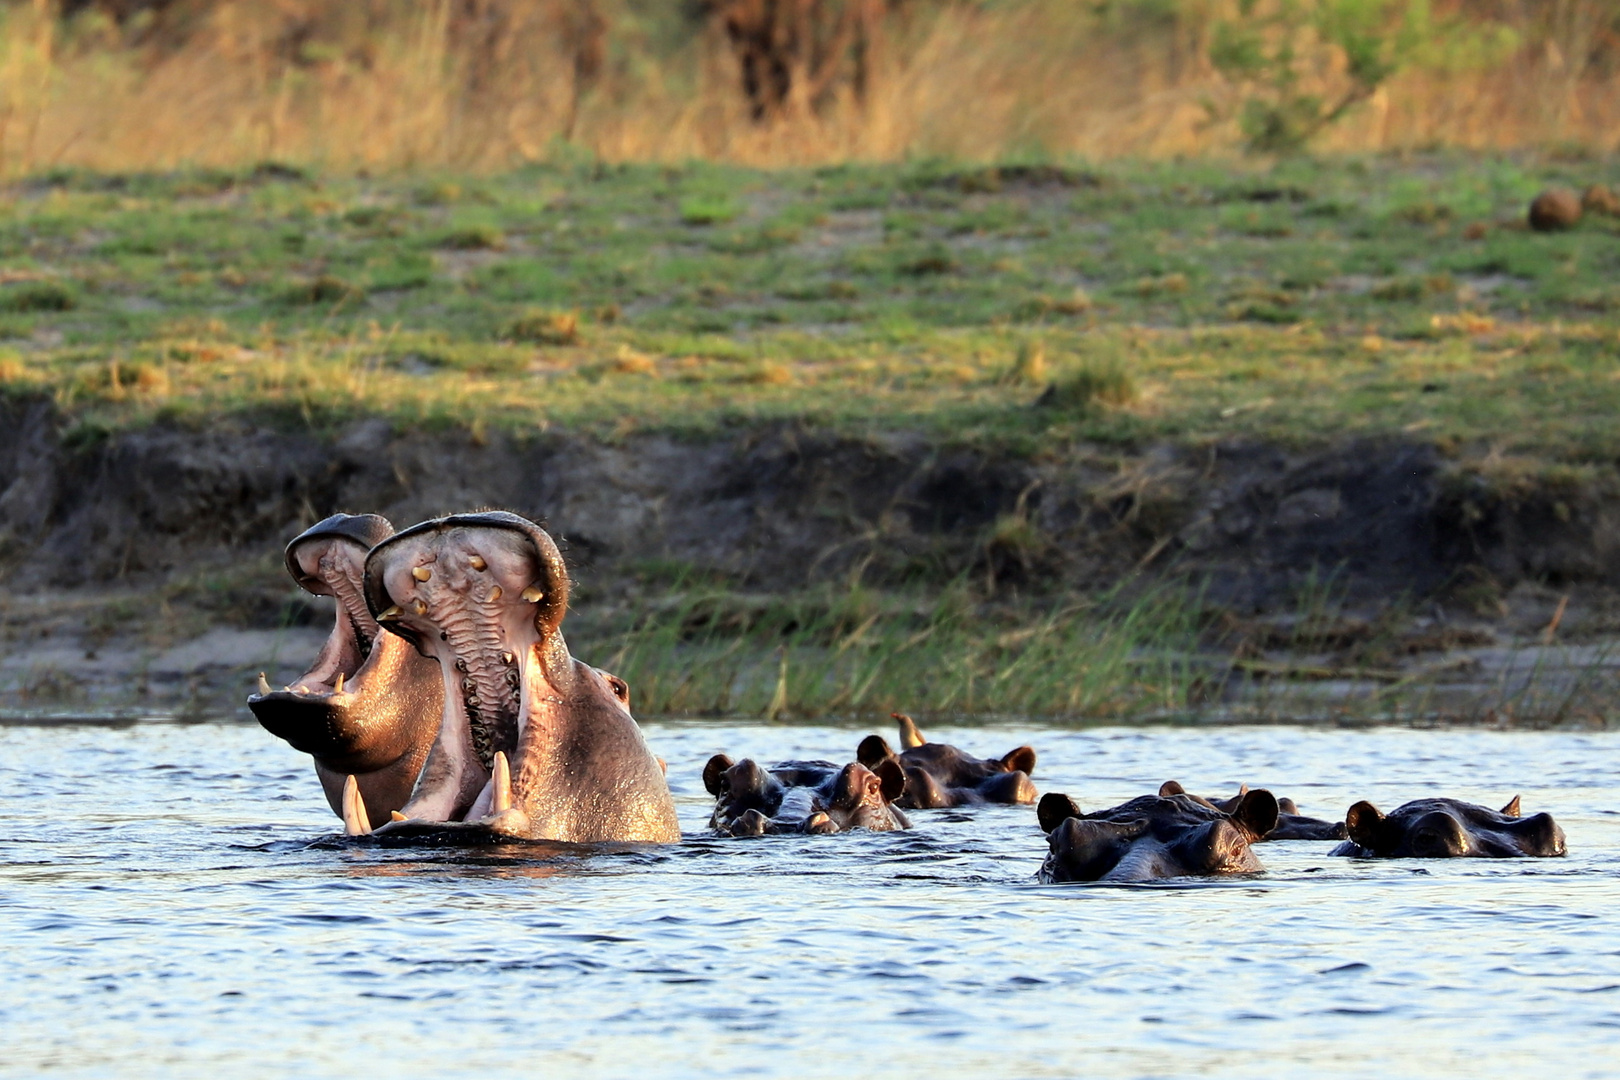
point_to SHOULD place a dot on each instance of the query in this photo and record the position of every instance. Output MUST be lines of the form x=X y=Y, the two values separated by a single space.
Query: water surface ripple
x=173 y=902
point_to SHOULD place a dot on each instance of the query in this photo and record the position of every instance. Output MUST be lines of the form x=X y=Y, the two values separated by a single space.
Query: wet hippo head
x=740 y=788
x=939 y=775
x=530 y=742
x=1153 y=837
x=802 y=796
x=1447 y=828
x=369 y=705
x=861 y=798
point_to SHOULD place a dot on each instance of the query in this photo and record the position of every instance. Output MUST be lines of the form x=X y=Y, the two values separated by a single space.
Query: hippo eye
x=621 y=689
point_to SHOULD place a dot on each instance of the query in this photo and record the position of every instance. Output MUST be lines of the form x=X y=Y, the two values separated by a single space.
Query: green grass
x=1183 y=302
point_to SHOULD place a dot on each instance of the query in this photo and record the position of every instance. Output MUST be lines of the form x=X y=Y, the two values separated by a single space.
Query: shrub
x=39 y=296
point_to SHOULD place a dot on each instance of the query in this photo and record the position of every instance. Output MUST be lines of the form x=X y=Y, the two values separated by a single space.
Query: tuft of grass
x=44 y=295
x=709 y=209
x=325 y=289
x=1105 y=383
x=545 y=327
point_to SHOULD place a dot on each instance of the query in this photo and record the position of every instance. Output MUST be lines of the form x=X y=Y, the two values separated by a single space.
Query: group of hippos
x=446 y=708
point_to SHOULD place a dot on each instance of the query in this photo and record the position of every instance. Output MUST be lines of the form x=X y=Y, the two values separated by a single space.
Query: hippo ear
x=873 y=749
x=1287 y=806
x=1021 y=760
x=1365 y=824
x=1169 y=788
x=1054 y=809
x=891 y=779
x=714 y=771
x=910 y=737
x=1512 y=808
x=1256 y=812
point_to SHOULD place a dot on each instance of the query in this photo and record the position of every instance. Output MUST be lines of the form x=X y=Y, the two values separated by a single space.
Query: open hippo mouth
x=329 y=559
x=368 y=705
x=530 y=743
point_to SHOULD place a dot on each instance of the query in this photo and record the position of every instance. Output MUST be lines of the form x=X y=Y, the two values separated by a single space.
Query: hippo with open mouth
x=939 y=775
x=530 y=743
x=803 y=797
x=1291 y=824
x=1448 y=828
x=1153 y=837
x=369 y=707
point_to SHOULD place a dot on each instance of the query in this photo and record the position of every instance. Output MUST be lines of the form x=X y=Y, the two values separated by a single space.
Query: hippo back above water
x=1153 y=837
x=1291 y=824
x=1448 y=828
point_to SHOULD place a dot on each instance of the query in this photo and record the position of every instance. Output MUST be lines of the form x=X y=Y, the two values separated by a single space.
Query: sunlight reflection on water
x=167 y=910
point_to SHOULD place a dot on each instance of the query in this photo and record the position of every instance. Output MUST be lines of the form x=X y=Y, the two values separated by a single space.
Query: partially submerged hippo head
x=530 y=743
x=803 y=796
x=939 y=775
x=1447 y=828
x=369 y=705
x=1152 y=837
x=1291 y=824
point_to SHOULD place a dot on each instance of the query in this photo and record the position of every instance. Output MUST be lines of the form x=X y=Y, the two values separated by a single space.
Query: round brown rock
x=1555 y=209
x=1601 y=199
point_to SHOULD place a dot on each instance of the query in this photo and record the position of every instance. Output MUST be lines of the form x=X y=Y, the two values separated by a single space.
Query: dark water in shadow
x=168 y=907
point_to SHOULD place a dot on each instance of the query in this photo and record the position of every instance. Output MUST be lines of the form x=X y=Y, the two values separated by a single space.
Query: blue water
x=173 y=902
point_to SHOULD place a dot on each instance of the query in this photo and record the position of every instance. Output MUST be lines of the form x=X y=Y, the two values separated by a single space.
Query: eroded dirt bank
x=96 y=530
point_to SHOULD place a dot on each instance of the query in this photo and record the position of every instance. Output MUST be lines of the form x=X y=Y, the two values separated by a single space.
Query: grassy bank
x=1026 y=308
x=1134 y=303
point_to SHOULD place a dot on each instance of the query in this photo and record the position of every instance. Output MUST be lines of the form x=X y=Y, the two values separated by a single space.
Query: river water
x=174 y=902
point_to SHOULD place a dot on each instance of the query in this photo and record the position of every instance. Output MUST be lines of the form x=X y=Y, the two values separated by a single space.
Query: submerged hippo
x=1447 y=828
x=1291 y=824
x=939 y=775
x=1152 y=837
x=803 y=796
x=530 y=743
x=369 y=706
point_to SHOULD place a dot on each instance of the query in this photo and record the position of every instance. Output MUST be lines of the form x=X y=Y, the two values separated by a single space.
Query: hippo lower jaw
x=532 y=744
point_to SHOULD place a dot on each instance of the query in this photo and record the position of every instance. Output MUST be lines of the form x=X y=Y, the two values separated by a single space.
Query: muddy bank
x=88 y=522
x=778 y=507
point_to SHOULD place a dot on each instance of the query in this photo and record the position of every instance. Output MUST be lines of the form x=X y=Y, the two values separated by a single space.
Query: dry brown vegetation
x=486 y=84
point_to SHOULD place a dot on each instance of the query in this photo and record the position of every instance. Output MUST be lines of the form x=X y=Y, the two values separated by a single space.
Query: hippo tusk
x=534 y=594
x=395 y=815
x=419 y=607
x=393 y=612
x=337 y=687
x=355 y=822
x=501 y=784
x=494 y=593
x=264 y=685
x=477 y=563
x=421 y=573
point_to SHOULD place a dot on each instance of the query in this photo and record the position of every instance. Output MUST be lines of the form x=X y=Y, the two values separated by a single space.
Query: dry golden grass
x=407 y=90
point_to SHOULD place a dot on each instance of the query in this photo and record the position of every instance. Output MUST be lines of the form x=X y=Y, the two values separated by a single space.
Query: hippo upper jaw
x=531 y=742
x=366 y=706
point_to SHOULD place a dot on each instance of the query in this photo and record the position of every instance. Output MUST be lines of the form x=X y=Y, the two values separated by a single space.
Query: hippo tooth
x=355 y=822
x=421 y=573
x=508 y=658
x=392 y=613
x=395 y=815
x=264 y=685
x=533 y=594
x=419 y=606
x=494 y=593
x=477 y=562
x=501 y=779
x=337 y=687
